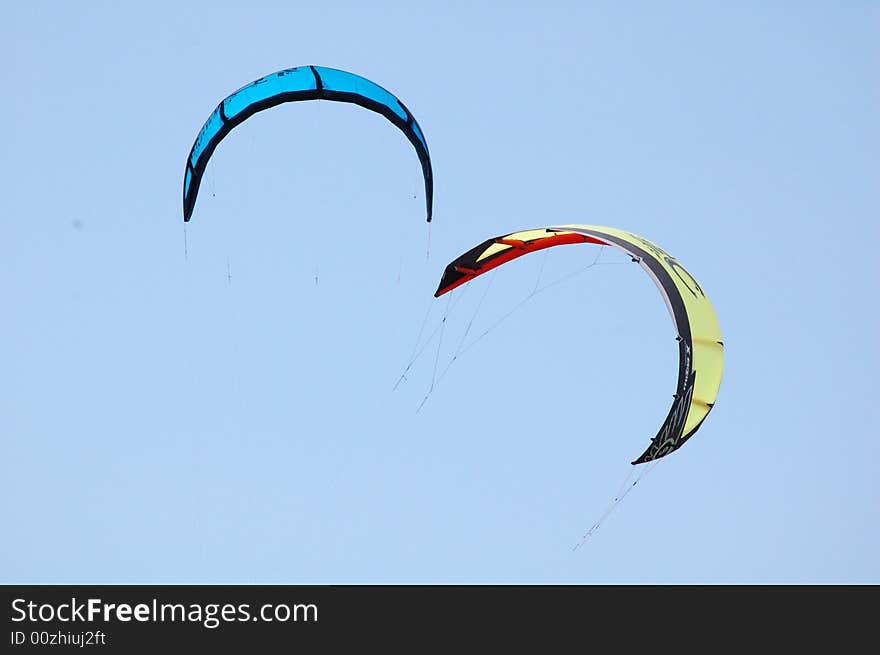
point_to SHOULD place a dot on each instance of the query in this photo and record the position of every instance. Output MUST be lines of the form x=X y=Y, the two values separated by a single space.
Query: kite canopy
x=701 y=351
x=291 y=85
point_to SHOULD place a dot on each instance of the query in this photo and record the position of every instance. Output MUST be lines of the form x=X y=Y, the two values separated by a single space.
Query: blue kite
x=292 y=85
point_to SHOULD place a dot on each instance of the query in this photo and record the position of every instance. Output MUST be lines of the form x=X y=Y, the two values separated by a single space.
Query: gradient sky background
x=214 y=403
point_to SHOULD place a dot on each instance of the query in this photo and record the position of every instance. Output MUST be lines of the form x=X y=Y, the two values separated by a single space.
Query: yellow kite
x=701 y=351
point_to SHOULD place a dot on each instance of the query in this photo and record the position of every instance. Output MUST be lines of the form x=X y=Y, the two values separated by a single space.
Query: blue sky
x=215 y=403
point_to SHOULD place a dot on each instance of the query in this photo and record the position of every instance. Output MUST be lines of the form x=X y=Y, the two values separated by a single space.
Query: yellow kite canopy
x=701 y=351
